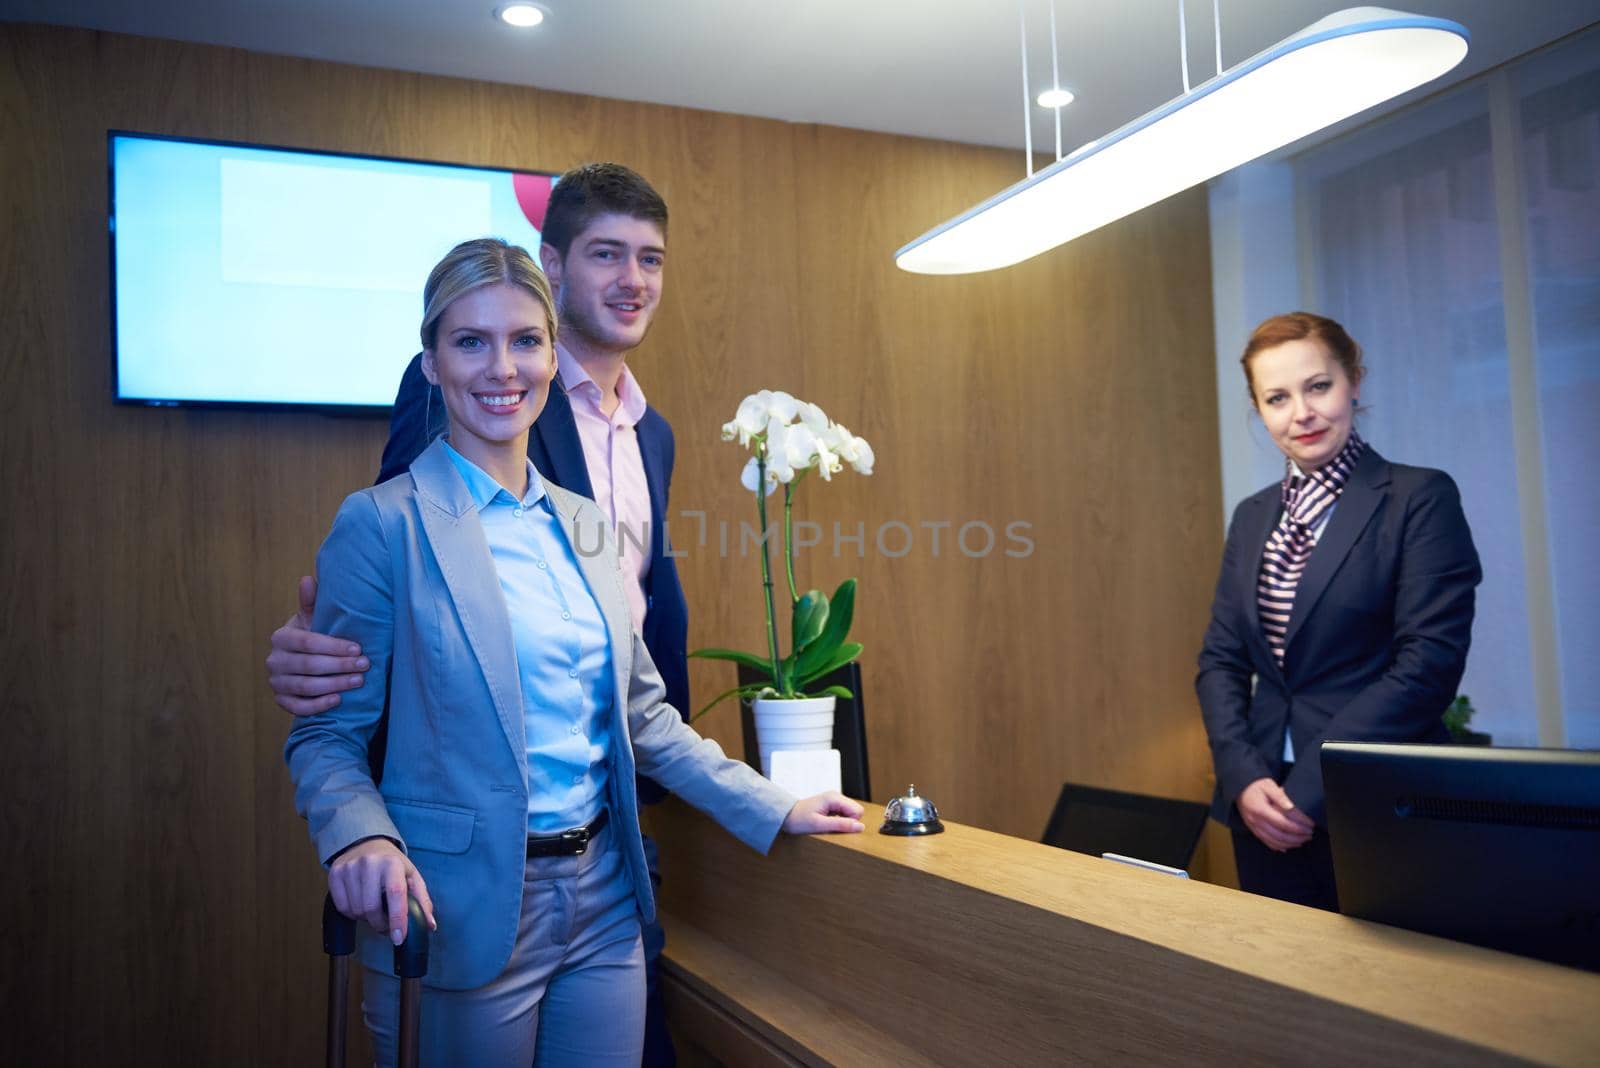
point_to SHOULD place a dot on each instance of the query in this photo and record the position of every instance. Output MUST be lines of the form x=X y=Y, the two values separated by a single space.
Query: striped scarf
x=1306 y=501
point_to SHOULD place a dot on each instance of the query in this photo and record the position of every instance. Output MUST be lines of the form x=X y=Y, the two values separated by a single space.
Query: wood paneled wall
x=163 y=896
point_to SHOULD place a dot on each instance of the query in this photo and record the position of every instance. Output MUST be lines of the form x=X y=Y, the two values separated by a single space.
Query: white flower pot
x=806 y=723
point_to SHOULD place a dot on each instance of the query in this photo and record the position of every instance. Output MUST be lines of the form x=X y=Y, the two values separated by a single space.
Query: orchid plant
x=789 y=439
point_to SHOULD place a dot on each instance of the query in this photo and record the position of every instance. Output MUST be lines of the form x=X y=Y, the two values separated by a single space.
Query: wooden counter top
x=973 y=947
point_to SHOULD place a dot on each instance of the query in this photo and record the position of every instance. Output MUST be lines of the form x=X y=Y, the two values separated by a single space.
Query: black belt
x=568 y=843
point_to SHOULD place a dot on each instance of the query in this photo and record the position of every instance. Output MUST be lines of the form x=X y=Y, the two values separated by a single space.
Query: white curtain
x=1406 y=257
x=1559 y=110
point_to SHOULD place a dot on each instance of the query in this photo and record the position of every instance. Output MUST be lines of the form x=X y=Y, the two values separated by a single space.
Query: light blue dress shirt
x=563 y=649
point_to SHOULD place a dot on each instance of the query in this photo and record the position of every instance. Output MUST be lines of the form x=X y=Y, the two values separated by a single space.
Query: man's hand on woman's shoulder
x=306 y=670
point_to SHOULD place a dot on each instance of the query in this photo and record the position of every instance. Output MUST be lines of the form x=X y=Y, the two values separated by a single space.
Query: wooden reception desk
x=970 y=947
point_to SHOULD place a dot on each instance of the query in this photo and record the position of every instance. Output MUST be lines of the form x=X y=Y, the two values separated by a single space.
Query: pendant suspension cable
x=1333 y=69
x=1027 y=102
x=1183 y=47
x=1055 y=74
x=1216 y=30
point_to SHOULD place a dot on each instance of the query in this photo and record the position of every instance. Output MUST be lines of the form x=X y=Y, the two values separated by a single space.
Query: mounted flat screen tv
x=246 y=276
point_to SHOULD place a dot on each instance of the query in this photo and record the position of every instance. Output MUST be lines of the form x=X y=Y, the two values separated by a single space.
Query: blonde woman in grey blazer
x=492 y=609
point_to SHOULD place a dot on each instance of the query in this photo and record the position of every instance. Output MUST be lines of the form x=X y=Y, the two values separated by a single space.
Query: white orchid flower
x=814 y=418
x=836 y=437
x=751 y=472
x=794 y=436
x=828 y=463
x=749 y=420
x=864 y=458
x=801 y=445
x=781 y=404
x=791 y=450
x=803 y=449
x=777 y=451
x=819 y=448
x=853 y=450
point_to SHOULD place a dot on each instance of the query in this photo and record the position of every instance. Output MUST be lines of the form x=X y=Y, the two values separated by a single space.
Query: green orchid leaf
x=810 y=617
x=841 y=611
x=842 y=656
x=760 y=663
x=751 y=690
x=818 y=652
x=833 y=691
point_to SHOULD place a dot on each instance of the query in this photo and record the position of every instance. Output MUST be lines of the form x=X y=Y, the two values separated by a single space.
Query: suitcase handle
x=410 y=965
x=338 y=942
x=410 y=956
x=338 y=930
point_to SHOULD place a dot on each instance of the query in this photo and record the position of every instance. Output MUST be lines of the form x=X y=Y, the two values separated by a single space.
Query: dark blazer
x=555 y=449
x=1376 y=643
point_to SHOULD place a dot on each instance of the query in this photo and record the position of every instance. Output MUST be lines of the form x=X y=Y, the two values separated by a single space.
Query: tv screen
x=1500 y=847
x=252 y=276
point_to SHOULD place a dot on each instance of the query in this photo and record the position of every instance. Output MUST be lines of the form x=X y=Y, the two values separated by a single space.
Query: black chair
x=849 y=728
x=1088 y=819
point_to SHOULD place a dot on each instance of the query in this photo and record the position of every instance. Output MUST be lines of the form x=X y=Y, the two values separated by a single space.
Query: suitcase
x=410 y=965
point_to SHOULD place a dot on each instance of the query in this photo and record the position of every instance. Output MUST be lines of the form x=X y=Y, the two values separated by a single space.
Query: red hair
x=1297 y=326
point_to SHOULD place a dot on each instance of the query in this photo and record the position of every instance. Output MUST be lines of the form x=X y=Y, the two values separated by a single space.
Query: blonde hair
x=483 y=261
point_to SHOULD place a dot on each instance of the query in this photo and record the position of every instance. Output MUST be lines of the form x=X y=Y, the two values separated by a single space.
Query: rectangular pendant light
x=1334 y=68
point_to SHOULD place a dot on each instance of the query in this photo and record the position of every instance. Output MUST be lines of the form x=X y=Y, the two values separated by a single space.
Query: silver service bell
x=910 y=815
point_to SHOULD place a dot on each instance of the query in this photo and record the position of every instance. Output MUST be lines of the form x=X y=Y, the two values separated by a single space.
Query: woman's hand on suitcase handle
x=369 y=881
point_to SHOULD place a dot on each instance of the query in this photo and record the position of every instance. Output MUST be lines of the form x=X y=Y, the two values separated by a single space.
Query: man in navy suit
x=603 y=248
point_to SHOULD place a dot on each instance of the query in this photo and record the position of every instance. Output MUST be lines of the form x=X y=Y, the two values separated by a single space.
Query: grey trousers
x=571 y=994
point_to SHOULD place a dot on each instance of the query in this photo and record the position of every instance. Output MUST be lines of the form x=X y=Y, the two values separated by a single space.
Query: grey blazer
x=406 y=572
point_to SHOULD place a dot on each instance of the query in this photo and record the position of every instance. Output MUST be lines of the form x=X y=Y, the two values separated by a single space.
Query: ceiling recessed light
x=521 y=15
x=1056 y=98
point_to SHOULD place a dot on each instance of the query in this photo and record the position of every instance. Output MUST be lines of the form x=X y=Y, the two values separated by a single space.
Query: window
x=1459 y=242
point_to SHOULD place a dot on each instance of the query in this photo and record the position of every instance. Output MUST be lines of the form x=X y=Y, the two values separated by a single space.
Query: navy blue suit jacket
x=1376 y=643
x=555 y=449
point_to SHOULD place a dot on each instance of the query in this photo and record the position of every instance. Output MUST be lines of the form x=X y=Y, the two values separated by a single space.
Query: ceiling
x=947 y=69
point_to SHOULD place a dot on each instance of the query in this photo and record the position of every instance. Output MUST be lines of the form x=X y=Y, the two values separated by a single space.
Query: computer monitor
x=1498 y=847
x=1097 y=821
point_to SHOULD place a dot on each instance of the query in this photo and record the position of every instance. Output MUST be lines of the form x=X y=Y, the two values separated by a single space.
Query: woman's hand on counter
x=829 y=813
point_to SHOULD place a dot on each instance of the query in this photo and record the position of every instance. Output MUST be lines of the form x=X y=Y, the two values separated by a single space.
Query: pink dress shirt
x=616 y=469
